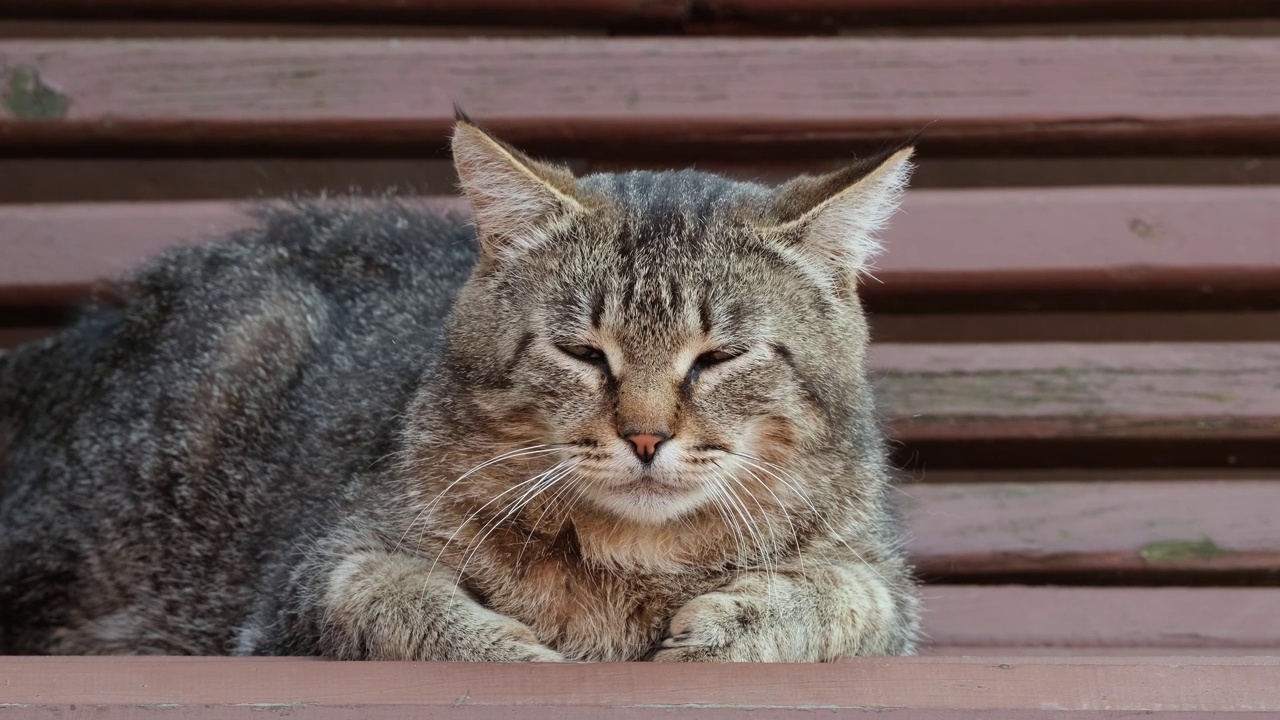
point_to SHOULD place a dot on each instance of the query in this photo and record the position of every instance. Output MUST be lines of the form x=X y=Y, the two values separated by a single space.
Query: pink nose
x=646 y=445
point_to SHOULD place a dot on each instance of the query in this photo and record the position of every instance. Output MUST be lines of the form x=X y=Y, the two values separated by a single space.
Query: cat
x=617 y=417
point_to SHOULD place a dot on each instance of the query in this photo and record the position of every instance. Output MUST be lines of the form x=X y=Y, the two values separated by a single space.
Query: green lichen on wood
x=1177 y=550
x=28 y=97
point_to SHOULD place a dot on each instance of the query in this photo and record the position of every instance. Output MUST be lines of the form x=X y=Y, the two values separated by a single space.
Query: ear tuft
x=515 y=200
x=460 y=115
x=835 y=218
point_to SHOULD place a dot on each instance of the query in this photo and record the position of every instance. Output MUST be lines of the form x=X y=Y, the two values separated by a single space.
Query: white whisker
x=765 y=466
x=521 y=452
x=546 y=480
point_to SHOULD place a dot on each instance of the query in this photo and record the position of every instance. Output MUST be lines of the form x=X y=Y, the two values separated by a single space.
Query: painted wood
x=939 y=687
x=1190 y=246
x=992 y=619
x=52 y=254
x=1195 y=531
x=1194 y=391
x=932 y=12
x=605 y=13
x=639 y=95
x=769 y=13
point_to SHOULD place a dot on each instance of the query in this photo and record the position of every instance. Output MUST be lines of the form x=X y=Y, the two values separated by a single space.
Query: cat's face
x=681 y=342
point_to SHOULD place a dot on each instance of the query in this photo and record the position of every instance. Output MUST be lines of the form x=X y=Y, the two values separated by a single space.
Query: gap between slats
x=773 y=15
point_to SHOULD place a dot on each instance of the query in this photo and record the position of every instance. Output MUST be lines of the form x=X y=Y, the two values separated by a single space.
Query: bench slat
x=932 y=12
x=1048 y=391
x=981 y=617
x=912 y=687
x=1187 y=247
x=636 y=96
x=1129 y=530
x=473 y=12
x=614 y=13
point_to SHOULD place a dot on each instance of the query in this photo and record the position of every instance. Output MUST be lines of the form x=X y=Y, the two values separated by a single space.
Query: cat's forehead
x=687 y=199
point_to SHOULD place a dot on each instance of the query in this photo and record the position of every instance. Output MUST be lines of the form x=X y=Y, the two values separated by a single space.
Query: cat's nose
x=646 y=444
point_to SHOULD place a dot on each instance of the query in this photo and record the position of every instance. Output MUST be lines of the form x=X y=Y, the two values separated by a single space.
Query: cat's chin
x=651 y=501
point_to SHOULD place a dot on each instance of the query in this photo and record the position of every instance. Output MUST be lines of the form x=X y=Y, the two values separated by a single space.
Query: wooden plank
x=1185 y=247
x=933 y=12
x=1123 y=530
x=465 y=12
x=1107 y=652
x=1087 y=327
x=55 y=253
x=1207 y=620
x=770 y=13
x=1085 y=242
x=636 y=96
x=1072 y=391
x=1016 y=687
x=80 y=28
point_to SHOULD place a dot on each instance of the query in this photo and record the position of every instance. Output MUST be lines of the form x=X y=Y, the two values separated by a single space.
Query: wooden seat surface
x=1081 y=374
x=641 y=95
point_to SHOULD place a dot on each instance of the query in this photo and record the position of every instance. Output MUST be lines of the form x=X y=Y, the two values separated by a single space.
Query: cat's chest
x=593 y=614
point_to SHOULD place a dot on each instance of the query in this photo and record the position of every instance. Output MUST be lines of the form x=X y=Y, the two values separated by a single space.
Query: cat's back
x=158 y=450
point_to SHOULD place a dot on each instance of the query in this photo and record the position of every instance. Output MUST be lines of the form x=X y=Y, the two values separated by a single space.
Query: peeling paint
x=1175 y=550
x=29 y=97
x=278 y=708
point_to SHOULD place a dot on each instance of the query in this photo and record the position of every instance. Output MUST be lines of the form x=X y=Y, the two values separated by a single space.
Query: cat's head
x=675 y=339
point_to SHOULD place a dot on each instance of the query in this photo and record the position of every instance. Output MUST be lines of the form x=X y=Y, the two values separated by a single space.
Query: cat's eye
x=710 y=359
x=714 y=357
x=584 y=352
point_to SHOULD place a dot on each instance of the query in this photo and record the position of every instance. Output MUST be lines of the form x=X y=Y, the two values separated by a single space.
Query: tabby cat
x=623 y=416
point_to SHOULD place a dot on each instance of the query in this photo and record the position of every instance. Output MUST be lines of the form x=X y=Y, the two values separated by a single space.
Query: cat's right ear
x=516 y=201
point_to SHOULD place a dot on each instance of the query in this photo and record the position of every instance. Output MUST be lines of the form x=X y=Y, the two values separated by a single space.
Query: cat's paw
x=510 y=641
x=719 y=627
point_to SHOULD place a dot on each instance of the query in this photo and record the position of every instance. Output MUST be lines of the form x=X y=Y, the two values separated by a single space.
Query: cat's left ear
x=516 y=201
x=833 y=219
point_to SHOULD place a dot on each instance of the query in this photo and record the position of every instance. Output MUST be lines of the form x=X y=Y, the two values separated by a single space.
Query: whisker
x=521 y=452
x=739 y=509
x=548 y=479
x=547 y=506
x=480 y=509
x=765 y=555
x=715 y=494
x=786 y=515
x=835 y=534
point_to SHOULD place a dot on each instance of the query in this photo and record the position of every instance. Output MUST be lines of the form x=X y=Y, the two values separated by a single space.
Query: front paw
x=720 y=627
x=506 y=640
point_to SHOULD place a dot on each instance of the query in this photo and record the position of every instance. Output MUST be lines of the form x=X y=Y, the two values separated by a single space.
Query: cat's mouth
x=651 y=485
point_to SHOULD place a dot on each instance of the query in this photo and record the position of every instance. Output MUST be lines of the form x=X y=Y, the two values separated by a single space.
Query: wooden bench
x=1081 y=371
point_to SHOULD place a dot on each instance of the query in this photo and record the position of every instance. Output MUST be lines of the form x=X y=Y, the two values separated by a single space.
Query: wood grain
x=1191 y=247
x=933 y=12
x=625 y=13
x=1071 y=391
x=1127 y=530
x=913 y=688
x=605 y=13
x=639 y=96
x=991 y=619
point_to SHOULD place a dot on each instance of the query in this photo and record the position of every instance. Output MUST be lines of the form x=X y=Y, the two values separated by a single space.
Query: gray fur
x=254 y=453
